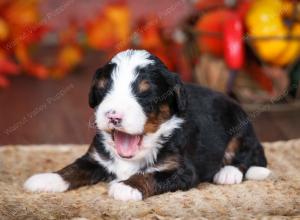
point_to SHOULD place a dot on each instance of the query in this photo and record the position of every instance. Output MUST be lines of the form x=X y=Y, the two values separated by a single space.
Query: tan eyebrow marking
x=144 y=85
x=102 y=83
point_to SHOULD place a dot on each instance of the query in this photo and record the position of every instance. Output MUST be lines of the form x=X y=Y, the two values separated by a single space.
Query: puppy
x=156 y=135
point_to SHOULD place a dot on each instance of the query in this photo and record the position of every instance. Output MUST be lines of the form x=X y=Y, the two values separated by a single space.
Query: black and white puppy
x=156 y=135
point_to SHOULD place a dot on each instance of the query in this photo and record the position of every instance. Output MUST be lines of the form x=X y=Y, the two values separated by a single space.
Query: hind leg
x=250 y=159
x=243 y=157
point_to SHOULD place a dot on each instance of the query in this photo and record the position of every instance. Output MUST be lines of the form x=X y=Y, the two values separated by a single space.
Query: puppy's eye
x=143 y=86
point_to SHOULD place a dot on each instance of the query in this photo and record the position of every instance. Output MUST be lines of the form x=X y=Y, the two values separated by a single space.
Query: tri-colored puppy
x=156 y=135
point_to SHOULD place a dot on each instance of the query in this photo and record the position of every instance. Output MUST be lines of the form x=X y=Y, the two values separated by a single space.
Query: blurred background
x=247 y=49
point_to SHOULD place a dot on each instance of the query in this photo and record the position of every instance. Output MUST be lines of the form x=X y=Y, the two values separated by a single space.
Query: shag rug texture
x=278 y=197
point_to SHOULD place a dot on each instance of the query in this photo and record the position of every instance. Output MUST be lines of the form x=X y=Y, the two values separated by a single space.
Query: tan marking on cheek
x=144 y=86
x=155 y=120
x=152 y=124
x=230 y=151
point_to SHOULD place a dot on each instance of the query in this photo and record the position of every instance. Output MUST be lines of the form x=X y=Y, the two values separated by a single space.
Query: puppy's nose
x=114 y=117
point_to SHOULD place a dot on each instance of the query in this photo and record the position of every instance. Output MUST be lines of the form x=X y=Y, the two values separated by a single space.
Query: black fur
x=211 y=122
x=96 y=94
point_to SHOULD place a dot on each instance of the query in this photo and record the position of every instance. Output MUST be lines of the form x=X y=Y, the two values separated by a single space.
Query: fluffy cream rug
x=277 y=197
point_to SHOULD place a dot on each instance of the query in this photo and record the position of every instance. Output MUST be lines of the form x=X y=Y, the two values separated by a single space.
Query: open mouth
x=126 y=145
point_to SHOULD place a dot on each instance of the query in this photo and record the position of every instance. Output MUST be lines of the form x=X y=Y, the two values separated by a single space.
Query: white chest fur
x=121 y=168
x=124 y=169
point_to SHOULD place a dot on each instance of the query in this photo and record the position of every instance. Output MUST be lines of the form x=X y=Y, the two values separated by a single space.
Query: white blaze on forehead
x=121 y=98
x=127 y=62
x=132 y=58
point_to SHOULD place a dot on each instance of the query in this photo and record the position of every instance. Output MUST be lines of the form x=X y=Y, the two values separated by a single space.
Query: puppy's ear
x=100 y=84
x=93 y=97
x=178 y=90
x=93 y=101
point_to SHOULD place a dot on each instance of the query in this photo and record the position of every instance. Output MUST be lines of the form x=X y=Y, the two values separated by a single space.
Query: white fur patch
x=228 y=175
x=120 y=97
x=130 y=59
x=122 y=168
x=121 y=191
x=146 y=156
x=46 y=182
x=257 y=173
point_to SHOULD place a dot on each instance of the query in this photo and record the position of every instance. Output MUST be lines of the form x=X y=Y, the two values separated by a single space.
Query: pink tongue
x=126 y=144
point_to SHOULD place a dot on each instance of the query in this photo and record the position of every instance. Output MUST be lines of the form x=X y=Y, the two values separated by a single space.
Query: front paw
x=121 y=191
x=228 y=175
x=46 y=182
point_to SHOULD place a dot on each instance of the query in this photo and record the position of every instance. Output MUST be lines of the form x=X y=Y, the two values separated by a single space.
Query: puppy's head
x=133 y=95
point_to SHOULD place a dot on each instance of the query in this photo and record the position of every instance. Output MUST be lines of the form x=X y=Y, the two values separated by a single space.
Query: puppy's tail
x=257 y=173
